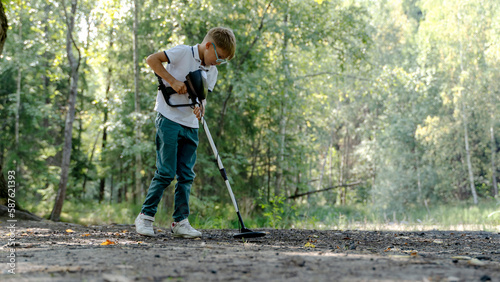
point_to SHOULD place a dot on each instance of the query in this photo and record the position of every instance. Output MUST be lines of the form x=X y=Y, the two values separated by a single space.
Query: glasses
x=219 y=61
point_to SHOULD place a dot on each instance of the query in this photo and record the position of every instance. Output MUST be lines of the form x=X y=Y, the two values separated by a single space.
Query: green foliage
x=277 y=213
x=456 y=216
x=211 y=214
x=320 y=93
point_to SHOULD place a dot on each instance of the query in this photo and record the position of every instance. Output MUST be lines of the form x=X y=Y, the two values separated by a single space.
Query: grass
x=211 y=215
x=459 y=217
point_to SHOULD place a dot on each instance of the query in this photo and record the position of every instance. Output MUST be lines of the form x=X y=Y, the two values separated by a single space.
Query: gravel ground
x=48 y=251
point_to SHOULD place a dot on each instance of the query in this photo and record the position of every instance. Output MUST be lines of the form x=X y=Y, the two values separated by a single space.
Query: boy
x=177 y=127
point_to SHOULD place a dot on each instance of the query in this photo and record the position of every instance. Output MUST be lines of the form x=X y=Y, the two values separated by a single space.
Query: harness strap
x=167 y=91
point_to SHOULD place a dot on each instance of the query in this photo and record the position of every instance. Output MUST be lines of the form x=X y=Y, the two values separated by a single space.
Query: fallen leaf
x=309 y=245
x=461 y=257
x=69 y=231
x=107 y=242
x=399 y=256
x=476 y=262
x=86 y=235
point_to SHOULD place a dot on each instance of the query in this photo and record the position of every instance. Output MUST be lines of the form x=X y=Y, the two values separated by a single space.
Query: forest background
x=390 y=108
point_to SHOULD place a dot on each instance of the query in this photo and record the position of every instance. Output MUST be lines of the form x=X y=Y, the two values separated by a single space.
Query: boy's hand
x=199 y=112
x=179 y=87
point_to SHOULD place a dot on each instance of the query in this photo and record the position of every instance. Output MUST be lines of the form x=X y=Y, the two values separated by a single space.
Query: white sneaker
x=144 y=225
x=183 y=229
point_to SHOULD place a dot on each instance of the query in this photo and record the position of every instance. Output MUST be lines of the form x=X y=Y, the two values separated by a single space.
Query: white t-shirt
x=182 y=60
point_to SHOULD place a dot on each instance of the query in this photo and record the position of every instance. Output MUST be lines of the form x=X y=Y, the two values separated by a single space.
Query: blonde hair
x=224 y=38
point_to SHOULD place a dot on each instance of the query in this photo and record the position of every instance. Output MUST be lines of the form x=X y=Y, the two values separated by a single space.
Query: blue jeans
x=175 y=156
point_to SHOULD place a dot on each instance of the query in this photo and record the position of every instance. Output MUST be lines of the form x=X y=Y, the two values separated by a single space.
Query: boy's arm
x=155 y=61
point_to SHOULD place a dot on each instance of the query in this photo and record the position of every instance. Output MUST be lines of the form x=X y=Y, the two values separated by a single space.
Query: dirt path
x=47 y=251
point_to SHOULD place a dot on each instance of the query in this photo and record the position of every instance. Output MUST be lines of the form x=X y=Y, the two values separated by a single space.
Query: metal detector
x=197 y=89
x=244 y=232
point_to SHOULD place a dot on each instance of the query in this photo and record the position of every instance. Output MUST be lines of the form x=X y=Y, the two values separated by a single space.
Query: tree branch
x=261 y=26
x=70 y=23
x=323 y=190
x=4 y=26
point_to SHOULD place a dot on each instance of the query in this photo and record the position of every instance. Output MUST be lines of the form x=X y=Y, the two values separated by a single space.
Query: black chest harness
x=196 y=86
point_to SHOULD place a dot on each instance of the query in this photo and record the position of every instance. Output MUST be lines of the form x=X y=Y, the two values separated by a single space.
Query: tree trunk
x=344 y=167
x=111 y=190
x=467 y=152
x=102 y=182
x=466 y=132
x=4 y=195
x=283 y=105
x=120 y=184
x=323 y=165
x=493 y=166
x=45 y=66
x=255 y=155
x=84 y=189
x=20 y=213
x=18 y=92
x=70 y=115
x=18 y=97
x=421 y=197
x=268 y=172
x=4 y=26
x=138 y=160
x=330 y=178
